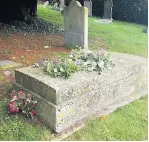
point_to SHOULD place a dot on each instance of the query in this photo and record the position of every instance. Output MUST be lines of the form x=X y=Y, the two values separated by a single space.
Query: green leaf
x=90 y=69
x=55 y=70
x=101 y=64
x=61 y=69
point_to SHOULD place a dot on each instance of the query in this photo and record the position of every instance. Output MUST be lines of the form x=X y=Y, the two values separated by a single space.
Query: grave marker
x=62 y=5
x=76 y=25
x=88 y=4
x=55 y=7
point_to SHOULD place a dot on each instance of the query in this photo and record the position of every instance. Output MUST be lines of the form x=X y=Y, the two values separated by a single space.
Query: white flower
x=7 y=73
x=13 y=99
x=28 y=100
x=55 y=70
x=71 y=55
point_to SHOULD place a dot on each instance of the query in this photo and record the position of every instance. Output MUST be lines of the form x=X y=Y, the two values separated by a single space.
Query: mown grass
x=119 y=36
x=127 y=123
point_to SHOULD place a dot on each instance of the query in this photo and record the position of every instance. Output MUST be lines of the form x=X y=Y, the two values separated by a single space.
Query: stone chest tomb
x=64 y=102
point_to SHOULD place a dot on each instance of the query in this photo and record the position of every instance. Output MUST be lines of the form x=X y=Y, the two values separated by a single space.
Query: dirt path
x=28 y=49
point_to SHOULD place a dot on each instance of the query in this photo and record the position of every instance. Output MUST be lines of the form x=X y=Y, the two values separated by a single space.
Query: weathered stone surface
x=62 y=5
x=55 y=7
x=76 y=25
x=64 y=102
x=108 y=4
x=88 y=4
x=5 y=64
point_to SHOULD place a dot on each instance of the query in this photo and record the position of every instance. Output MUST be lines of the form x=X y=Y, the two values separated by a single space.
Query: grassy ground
x=127 y=123
x=119 y=36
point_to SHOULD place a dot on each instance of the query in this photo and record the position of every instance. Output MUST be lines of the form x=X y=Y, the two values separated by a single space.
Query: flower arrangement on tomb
x=78 y=60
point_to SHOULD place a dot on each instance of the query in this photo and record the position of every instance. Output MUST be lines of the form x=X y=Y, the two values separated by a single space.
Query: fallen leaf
x=103 y=117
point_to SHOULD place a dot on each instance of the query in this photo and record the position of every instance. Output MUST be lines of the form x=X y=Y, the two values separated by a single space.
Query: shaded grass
x=119 y=36
x=127 y=123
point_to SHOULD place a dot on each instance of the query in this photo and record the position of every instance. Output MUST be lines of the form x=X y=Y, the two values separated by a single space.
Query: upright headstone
x=88 y=4
x=46 y=4
x=76 y=25
x=55 y=7
x=108 y=4
x=62 y=5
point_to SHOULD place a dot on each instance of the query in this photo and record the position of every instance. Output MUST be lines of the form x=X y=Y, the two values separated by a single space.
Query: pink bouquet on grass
x=22 y=102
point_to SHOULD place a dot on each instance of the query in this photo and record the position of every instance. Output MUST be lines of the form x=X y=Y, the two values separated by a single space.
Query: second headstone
x=76 y=25
x=88 y=4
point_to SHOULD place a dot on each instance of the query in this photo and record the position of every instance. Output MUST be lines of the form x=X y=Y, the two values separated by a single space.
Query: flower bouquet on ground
x=22 y=102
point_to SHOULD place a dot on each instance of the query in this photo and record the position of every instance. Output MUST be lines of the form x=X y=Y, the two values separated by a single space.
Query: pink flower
x=33 y=113
x=24 y=112
x=13 y=107
x=21 y=92
x=21 y=95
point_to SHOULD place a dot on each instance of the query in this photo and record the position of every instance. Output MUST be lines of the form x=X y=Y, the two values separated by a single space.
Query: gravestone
x=108 y=9
x=62 y=5
x=76 y=25
x=88 y=4
x=46 y=4
x=55 y=7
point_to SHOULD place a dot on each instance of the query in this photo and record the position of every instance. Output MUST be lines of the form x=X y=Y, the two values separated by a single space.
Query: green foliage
x=61 y=68
x=79 y=59
x=91 y=61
